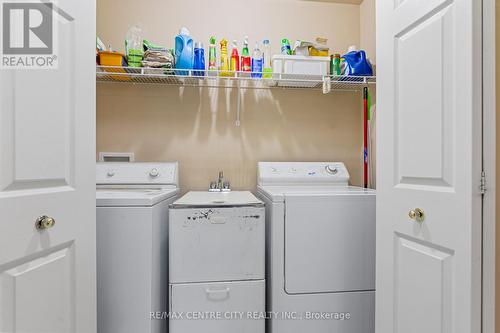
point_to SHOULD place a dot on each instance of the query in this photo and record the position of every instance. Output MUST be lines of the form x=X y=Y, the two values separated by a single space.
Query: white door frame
x=489 y=164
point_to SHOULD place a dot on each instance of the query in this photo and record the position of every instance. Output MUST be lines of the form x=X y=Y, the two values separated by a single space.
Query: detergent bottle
x=224 y=59
x=184 y=51
x=357 y=64
x=199 y=59
x=257 y=62
x=235 y=57
x=246 y=61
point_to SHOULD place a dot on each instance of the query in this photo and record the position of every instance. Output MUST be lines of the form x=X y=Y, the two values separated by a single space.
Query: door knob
x=417 y=214
x=44 y=222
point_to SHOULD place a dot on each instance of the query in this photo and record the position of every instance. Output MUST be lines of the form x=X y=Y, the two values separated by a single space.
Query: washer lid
x=217 y=199
x=119 y=196
x=302 y=173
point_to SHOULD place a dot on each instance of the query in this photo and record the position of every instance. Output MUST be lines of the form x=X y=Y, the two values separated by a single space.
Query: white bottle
x=268 y=68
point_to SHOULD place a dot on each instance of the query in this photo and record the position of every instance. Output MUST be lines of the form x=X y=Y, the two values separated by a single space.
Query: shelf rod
x=238 y=110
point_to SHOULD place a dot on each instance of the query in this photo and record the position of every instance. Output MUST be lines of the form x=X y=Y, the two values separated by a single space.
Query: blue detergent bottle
x=257 y=62
x=184 y=51
x=199 y=59
x=357 y=64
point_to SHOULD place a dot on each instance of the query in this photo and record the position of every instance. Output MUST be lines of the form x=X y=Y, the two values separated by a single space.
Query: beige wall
x=368 y=28
x=196 y=127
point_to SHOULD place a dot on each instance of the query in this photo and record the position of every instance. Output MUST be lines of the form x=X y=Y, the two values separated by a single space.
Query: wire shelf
x=226 y=79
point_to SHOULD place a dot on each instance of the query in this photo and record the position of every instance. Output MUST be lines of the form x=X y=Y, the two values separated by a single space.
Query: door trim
x=489 y=165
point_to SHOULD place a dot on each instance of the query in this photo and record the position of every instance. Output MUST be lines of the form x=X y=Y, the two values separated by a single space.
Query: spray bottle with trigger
x=212 y=56
x=246 y=62
x=224 y=59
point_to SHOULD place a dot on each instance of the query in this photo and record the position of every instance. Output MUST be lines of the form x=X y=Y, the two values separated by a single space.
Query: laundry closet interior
x=197 y=126
x=256 y=134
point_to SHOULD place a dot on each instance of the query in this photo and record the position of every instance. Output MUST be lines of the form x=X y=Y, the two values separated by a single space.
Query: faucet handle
x=226 y=186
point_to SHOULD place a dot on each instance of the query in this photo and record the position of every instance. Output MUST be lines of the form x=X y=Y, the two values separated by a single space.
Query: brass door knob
x=417 y=214
x=44 y=222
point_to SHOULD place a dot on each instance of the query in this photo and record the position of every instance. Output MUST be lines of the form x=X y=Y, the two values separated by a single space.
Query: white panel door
x=47 y=167
x=429 y=157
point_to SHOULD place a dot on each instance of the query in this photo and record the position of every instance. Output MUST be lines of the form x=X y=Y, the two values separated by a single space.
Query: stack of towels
x=157 y=56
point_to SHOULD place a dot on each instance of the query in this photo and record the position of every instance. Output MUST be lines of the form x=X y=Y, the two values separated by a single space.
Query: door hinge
x=483 y=182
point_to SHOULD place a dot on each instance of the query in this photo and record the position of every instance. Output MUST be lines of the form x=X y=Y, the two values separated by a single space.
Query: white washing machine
x=132 y=245
x=320 y=249
x=217 y=263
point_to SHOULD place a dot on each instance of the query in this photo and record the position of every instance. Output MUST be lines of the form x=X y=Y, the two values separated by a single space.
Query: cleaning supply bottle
x=286 y=49
x=212 y=55
x=199 y=59
x=335 y=69
x=267 y=67
x=235 y=58
x=246 y=61
x=224 y=59
x=184 y=52
x=357 y=64
x=257 y=61
x=133 y=46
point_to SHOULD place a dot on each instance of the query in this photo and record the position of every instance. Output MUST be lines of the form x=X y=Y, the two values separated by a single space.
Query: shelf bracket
x=327 y=84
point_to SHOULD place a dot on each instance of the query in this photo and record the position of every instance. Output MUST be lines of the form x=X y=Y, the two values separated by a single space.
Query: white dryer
x=320 y=248
x=132 y=245
x=217 y=262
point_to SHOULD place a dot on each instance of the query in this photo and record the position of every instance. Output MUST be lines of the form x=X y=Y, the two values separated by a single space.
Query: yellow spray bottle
x=224 y=59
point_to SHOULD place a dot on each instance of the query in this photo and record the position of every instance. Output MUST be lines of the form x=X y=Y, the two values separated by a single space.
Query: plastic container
x=357 y=64
x=335 y=64
x=184 y=51
x=133 y=46
x=199 y=59
x=318 y=52
x=257 y=62
x=110 y=58
x=114 y=59
x=299 y=66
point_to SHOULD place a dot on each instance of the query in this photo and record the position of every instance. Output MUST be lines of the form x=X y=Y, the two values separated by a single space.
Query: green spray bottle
x=212 y=55
x=246 y=60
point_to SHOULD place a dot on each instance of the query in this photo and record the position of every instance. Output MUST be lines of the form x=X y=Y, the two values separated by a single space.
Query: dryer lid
x=278 y=193
x=302 y=173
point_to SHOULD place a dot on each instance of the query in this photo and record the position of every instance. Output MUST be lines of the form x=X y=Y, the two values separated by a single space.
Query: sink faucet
x=221 y=180
x=220 y=185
